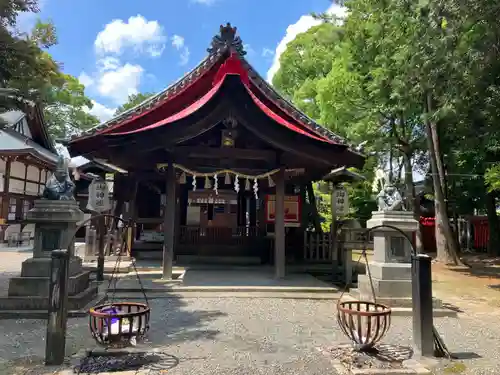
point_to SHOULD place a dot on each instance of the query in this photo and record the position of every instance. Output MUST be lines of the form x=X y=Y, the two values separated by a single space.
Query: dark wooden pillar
x=169 y=223
x=242 y=208
x=279 y=225
x=6 y=188
x=253 y=211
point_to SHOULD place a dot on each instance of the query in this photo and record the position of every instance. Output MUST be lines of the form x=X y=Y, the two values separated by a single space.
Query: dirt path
x=474 y=289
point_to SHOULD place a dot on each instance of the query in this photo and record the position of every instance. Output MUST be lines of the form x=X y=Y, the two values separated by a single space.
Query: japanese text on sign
x=341 y=201
x=98 y=197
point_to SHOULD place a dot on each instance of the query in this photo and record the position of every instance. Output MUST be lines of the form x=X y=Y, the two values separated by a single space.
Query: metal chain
x=114 y=278
x=363 y=255
x=140 y=283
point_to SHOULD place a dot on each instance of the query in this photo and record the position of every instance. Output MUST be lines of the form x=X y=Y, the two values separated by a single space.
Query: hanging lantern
x=216 y=184
x=208 y=185
x=182 y=179
x=236 y=184
x=247 y=184
x=194 y=183
x=256 y=188
x=227 y=179
x=270 y=181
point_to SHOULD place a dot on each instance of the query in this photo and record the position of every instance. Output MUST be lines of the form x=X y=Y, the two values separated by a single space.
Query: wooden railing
x=325 y=248
x=318 y=247
x=355 y=239
x=193 y=236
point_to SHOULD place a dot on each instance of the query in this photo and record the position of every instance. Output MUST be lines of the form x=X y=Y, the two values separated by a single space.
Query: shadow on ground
x=172 y=322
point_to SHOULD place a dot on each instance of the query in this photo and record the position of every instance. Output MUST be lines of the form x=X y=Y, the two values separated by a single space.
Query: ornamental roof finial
x=227 y=38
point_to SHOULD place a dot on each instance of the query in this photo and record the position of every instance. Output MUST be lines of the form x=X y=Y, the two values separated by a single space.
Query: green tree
x=132 y=101
x=27 y=68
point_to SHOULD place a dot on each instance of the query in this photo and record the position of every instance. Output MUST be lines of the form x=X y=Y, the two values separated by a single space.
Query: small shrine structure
x=217 y=165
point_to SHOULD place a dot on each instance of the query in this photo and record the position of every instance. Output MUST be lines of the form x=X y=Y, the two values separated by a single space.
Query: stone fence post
x=58 y=308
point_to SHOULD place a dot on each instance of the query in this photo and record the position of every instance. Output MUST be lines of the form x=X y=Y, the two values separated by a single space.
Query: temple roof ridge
x=291 y=107
x=150 y=102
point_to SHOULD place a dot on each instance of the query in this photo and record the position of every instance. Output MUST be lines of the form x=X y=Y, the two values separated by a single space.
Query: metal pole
x=423 y=338
x=58 y=308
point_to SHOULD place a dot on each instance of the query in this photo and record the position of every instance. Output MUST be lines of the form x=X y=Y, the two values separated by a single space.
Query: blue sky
x=119 y=47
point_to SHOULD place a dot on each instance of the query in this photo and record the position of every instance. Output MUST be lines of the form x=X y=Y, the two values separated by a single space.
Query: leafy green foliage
x=492 y=177
x=133 y=100
x=26 y=67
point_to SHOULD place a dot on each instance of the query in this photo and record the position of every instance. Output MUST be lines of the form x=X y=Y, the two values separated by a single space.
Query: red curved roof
x=196 y=93
x=231 y=66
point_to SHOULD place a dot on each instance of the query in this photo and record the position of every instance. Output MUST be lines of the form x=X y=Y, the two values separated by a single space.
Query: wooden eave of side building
x=342 y=174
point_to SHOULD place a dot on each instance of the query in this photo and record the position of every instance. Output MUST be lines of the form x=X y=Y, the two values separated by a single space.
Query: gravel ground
x=254 y=336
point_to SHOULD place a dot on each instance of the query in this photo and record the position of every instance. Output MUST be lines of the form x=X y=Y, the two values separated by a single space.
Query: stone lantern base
x=55 y=225
x=390 y=265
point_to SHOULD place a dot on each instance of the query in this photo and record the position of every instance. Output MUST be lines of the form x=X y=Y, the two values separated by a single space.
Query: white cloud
x=121 y=82
x=100 y=111
x=204 y=2
x=85 y=79
x=179 y=44
x=113 y=79
x=177 y=41
x=137 y=33
x=107 y=63
x=185 y=56
x=248 y=48
x=302 y=25
x=266 y=52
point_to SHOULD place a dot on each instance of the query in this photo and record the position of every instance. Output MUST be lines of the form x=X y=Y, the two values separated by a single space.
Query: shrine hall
x=218 y=166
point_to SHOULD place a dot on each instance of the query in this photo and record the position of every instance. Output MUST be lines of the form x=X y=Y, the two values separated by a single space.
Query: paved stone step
x=225 y=289
x=42 y=314
x=282 y=295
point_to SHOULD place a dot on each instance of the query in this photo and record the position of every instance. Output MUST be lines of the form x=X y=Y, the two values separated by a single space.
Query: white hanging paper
x=236 y=184
x=216 y=184
x=256 y=188
x=270 y=181
x=194 y=183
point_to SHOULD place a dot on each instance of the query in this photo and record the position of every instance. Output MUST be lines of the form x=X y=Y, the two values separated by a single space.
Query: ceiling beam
x=225 y=152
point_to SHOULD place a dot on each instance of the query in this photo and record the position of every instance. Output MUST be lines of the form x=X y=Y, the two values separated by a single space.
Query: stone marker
x=55 y=225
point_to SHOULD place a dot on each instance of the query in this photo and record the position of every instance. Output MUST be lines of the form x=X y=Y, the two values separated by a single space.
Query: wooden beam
x=225 y=152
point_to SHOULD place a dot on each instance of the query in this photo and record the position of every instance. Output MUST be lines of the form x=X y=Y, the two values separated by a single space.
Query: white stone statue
x=389 y=199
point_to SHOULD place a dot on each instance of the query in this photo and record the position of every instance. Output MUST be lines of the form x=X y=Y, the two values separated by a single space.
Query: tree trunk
x=445 y=240
x=413 y=204
x=493 y=227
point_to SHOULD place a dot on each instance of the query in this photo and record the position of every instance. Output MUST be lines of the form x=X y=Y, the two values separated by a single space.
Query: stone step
x=225 y=289
x=39 y=286
x=75 y=302
x=282 y=295
x=42 y=314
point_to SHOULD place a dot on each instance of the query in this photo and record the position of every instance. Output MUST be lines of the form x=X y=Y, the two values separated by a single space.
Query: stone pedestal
x=55 y=226
x=391 y=263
